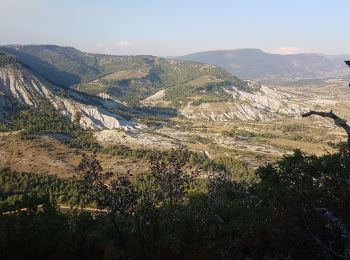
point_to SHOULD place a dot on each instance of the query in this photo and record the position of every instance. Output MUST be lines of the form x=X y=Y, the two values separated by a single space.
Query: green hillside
x=128 y=78
x=162 y=74
x=68 y=66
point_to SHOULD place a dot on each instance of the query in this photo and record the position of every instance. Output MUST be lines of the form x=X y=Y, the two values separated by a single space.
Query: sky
x=178 y=27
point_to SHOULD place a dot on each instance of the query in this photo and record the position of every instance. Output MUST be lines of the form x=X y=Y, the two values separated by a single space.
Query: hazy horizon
x=167 y=28
x=169 y=56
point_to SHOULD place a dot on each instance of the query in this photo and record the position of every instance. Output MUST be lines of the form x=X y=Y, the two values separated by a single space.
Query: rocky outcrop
x=156 y=100
x=256 y=102
x=19 y=83
x=27 y=88
x=137 y=139
x=89 y=117
x=112 y=102
x=262 y=104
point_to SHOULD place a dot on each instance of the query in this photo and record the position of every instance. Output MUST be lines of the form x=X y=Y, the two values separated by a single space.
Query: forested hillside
x=127 y=78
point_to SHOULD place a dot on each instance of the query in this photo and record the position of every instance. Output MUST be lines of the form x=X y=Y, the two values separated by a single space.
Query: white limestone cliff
x=27 y=88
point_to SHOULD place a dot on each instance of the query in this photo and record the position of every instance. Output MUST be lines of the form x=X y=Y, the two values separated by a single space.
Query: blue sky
x=176 y=27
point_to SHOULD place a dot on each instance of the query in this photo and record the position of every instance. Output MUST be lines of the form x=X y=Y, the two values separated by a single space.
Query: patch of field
x=135 y=139
x=203 y=80
x=96 y=86
x=92 y=88
x=125 y=74
x=309 y=148
x=257 y=142
x=48 y=156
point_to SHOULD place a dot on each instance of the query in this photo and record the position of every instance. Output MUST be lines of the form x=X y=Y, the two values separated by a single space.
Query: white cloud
x=123 y=43
x=118 y=47
x=284 y=50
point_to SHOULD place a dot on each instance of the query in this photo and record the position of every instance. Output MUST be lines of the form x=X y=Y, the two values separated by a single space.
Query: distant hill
x=67 y=66
x=128 y=78
x=106 y=91
x=102 y=91
x=259 y=65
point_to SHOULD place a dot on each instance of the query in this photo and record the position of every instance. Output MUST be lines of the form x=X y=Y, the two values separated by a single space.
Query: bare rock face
x=90 y=117
x=27 y=88
x=138 y=139
x=17 y=82
x=257 y=104
x=111 y=102
x=156 y=99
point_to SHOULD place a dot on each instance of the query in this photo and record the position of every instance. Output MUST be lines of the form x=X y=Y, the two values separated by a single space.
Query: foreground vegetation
x=298 y=210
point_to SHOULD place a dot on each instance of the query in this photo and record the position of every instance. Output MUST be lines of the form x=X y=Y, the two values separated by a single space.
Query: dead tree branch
x=337 y=120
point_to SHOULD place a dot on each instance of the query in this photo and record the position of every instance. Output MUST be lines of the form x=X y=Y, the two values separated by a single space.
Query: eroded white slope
x=27 y=88
x=256 y=103
x=16 y=81
x=259 y=104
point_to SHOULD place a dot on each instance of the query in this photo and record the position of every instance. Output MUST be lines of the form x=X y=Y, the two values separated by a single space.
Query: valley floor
x=255 y=142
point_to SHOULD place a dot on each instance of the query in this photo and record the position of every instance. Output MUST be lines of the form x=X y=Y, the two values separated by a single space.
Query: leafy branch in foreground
x=298 y=210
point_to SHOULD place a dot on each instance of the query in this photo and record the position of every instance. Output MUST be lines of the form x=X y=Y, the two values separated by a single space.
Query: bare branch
x=337 y=120
x=347 y=62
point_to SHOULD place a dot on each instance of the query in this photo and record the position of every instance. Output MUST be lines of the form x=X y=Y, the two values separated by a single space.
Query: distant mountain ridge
x=100 y=91
x=63 y=66
x=259 y=65
x=106 y=91
x=128 y=78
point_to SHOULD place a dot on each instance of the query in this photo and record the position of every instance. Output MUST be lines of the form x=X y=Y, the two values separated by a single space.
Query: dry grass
x=310 y=148
x=125 y=74
x=47 y=156
x=203 y=80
